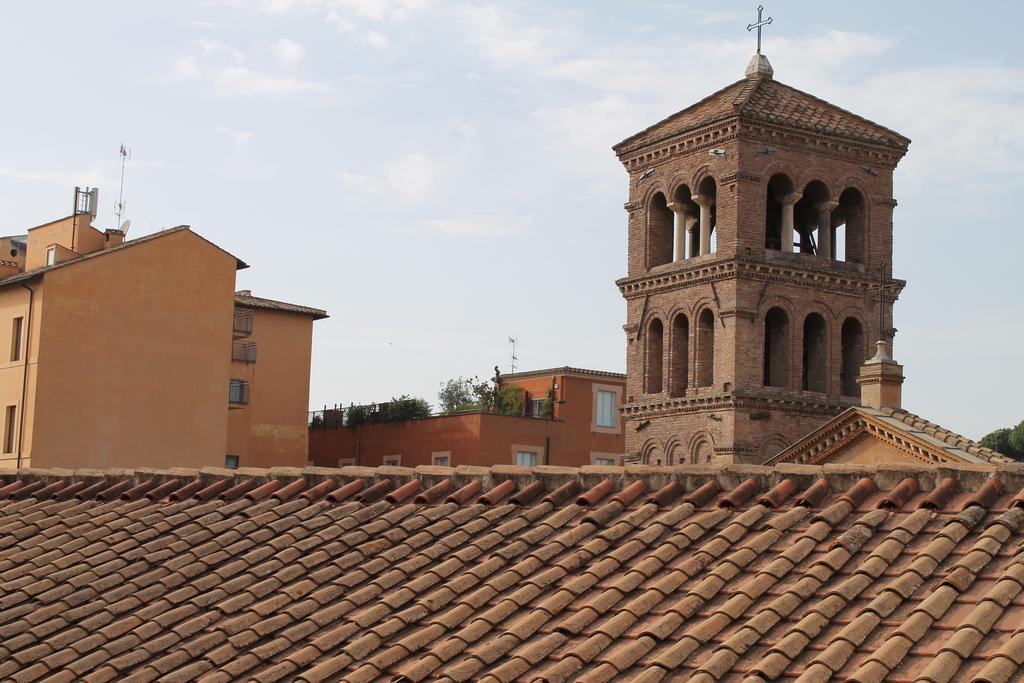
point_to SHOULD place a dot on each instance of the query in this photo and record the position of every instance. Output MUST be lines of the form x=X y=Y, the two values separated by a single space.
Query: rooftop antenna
x=513 y=341
x=126 y=154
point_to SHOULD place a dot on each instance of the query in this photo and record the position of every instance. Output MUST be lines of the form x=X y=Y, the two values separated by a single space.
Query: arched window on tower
x=655 y=341
x=853 y=356
x=851 y=227
x=706 y=348
x=659 y=231
x=776 y=348
x=808 y=215
x=706 y=198
x=701 y=454
x=680 y=356
x=815 y=354
x=777 y=214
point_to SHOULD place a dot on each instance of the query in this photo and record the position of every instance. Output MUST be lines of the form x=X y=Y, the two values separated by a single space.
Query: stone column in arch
x=788 y=202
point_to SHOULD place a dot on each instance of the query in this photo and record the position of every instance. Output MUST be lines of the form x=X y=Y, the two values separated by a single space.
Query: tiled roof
x=738 y=573
x=248 y=300
x=919 y=438
x=768 y=101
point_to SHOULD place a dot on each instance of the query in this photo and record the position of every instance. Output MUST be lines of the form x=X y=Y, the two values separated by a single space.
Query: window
x=346 y=462
x=51 y=256
x=605 y=408
x=655 y=335
x=392 y=460
x=9 y=429
x=231 y=462
x=537 y=407
x=526 y=459
x=609 y=462
x=16 y=338
x=238 y=391
x=441 y=459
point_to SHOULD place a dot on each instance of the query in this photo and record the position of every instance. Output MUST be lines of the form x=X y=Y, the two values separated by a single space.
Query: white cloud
x=461 y=130
x=239 y=138
x=376 y=39
x=503 y=40
x=477 y=226
x=287 y=52
x=416 y=176
x=223 y=68
x=97 y=176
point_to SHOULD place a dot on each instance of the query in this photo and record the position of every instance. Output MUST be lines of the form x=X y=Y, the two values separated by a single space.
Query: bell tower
x=760 y=254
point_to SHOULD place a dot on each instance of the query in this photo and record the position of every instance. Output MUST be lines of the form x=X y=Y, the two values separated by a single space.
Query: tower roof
x=760 y=98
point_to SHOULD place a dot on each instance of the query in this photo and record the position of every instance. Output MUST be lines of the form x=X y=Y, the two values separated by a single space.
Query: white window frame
x=51 y=256
x=392 y=460
x=537 y=407
x=616 y=427
x=607 y=459
x=531 y=454
x=441 y=455
x=598 y=418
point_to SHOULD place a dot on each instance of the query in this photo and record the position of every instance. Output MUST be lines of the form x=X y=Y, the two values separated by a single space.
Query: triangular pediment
x=867 y=436
x=766 y=100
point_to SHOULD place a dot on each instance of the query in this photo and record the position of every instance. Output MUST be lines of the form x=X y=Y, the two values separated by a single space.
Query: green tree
x=403 y=408
x=510 y=399
x=1002 y=441
x=459 y=394
x=1016 y=438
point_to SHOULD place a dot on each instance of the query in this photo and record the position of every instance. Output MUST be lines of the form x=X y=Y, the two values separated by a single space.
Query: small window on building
x=51 y=256
x=16 y=338
x=442 y=459
x=537 y=407
x=346 y=462
x=608 y=462
x=392 y=460
x=9 y=418
x=238 y=391
x=231 y=462
x=605 y=409
x=526 y=459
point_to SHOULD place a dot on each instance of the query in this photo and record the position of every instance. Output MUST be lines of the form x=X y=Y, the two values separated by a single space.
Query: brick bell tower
x=760 y=254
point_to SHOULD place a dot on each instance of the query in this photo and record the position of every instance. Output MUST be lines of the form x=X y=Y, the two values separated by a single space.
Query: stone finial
x=759 y=67
x=880 y=380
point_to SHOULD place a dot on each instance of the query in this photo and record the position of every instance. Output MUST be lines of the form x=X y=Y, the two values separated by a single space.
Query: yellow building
x=120 y=354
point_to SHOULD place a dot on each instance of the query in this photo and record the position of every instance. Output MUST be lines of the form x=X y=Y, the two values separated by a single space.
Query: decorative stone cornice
x=735 y=127
x=792 y=403
x=702 y=271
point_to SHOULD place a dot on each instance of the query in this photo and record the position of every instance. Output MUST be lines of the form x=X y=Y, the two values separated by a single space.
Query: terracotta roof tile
x=646 y=580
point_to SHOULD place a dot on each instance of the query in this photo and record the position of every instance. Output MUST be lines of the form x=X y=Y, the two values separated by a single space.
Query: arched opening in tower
x=809 y=214
x=851 y=229
x=659 y=231
x=655 y=346
x=778 y=213
x=853 y=353
x=680 y=356
x=776 y=348
x=707 y=195
x=706 y=348
x=815 y=354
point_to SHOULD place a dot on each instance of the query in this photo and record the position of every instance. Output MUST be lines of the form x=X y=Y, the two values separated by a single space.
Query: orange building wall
x=14 y=303
x=481 y=438
x=135 y=355
x=271 y=430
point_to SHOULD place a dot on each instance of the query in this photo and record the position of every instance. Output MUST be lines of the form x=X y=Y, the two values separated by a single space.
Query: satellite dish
x=124 y=226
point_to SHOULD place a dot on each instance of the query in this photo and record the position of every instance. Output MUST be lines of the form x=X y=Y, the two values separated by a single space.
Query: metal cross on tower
x=758 y=25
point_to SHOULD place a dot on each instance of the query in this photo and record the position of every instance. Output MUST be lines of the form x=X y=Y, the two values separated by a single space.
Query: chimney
x=113 y=238
x=880 y=380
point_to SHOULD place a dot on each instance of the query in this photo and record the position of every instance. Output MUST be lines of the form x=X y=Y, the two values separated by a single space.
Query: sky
x=438 y=175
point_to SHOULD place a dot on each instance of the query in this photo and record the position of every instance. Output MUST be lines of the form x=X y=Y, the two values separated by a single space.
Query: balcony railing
x=238 y=392
x=244 y=351
x=243 y=323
